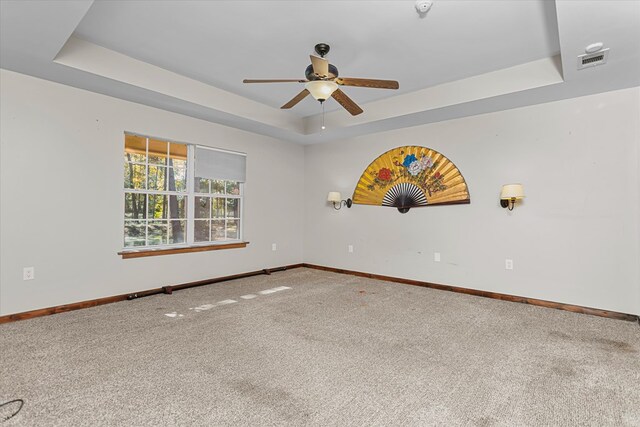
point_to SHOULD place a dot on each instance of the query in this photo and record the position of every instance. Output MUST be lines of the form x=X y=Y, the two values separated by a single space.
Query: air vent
x=593 y=59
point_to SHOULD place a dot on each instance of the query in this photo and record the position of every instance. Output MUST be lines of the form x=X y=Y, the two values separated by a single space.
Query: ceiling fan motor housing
x=310 y=75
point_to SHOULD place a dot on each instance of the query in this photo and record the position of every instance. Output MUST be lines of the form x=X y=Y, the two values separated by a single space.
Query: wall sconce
x=509 y=194
x=336 y=198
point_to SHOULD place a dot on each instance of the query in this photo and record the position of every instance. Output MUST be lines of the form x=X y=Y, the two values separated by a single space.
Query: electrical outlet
x=350 y=249
x=508 y=264
x=28 y=273
x=436 y=256
x=274 y=247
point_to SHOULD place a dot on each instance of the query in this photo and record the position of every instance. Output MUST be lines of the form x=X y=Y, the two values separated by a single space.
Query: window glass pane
x=233 y=208
x=217 y=230
x=158 y=152
x=202 y=185
x=134 y=176
x=177 y=231
x=217 y=187
x=157 y=233
x=177 y=179
x=135 y=148
x=177 y=207
x=203 y=207
x=157 y=175
x=233 y=229
x=178 y=155
x=217 y=210
x=135 y=206
x=233 y=187
x=201 y=230
x=134 y=233
x=157 y=206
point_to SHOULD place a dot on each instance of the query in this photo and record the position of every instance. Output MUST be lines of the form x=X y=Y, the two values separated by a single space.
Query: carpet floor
x=307 y=347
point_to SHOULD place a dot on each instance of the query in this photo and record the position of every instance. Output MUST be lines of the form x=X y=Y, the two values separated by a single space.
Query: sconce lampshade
x=321 y=90
x=512 y=191
x=334 y=197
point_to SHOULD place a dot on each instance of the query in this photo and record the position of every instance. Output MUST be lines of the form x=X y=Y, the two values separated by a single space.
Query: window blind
x=218 y=164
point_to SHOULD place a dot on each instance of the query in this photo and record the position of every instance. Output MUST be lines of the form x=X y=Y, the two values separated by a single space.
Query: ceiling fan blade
x=373 y=83
x=346 y=102
x=299 y=97
x=274 y=81
x=320 y=66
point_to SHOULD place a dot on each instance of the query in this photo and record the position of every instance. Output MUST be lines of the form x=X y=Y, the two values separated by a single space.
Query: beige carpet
x=333 y=350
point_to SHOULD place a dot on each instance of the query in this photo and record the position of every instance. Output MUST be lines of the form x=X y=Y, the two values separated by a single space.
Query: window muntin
x=158 y=210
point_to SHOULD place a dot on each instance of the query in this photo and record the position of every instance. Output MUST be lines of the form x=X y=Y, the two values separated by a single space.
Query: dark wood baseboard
x=61 y=308
x=107 y=300
x=486 y=294
x=169 y=289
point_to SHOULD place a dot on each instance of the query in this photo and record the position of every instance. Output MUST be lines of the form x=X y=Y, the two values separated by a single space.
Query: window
x=180 y=194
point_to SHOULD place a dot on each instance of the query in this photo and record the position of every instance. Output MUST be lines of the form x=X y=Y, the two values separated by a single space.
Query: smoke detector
x=594 y=55
x=423 y=6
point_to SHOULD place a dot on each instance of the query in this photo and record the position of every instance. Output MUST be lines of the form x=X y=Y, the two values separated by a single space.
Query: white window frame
x=190 y=195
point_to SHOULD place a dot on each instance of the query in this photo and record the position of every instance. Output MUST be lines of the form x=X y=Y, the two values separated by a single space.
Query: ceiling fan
x=322 y=82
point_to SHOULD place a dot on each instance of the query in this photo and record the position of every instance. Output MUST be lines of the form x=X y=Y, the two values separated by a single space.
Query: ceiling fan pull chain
x=322 y=103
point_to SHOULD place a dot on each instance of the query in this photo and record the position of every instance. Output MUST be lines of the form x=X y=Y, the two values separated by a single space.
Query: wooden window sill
x=180 y=250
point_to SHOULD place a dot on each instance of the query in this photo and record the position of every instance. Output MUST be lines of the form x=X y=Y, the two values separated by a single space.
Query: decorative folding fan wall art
x=411 y=177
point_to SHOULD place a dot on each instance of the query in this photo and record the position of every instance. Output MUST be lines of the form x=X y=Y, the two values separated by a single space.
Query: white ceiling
x=462 y=58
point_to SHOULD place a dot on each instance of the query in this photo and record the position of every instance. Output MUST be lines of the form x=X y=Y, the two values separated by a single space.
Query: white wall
x=574 y=240
x=62 y=198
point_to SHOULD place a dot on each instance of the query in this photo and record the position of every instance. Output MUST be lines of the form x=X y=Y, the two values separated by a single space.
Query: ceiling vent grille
x=593 y=59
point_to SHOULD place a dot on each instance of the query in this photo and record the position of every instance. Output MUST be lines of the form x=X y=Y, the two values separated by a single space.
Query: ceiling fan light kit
x=321 y=90
x=322 y=82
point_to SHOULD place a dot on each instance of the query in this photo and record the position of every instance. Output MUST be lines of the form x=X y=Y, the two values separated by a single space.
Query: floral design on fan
x=420 y=171
x=385 y=174
x=409 y=160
